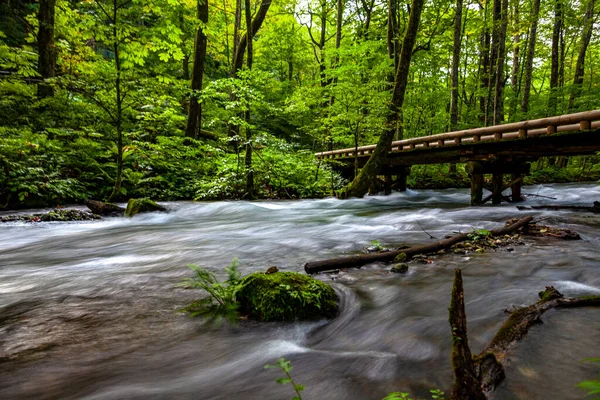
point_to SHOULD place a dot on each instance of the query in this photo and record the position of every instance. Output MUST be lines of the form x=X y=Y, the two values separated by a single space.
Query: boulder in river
x=136 y=206
x=285 y=296
x=107 y=209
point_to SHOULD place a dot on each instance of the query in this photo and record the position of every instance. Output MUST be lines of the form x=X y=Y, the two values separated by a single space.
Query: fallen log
x=595 y=208
x=106 y=209
x=490 y=361
x=486 y=370
x=363 y=259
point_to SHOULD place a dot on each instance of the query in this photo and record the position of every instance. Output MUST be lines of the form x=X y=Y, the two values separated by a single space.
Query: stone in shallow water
x=136 y=206
x=285 y=296
x=400 y=268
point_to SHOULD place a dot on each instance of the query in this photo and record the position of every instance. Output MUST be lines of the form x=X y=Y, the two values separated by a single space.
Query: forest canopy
x=185 y=99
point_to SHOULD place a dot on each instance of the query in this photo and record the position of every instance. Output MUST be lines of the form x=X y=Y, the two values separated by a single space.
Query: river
x=89 y=310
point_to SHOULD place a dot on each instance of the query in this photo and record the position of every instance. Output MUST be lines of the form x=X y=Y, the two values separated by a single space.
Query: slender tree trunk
x=514 y=75
x=500 y=80
x=46 y=48
x=529 y=58
x=586 y=36
x=360 y=185
x=194 y=121
x=238 y=60
x=248 y=158
x=455 y=65
x=555 y=58
x=119 y=100
x=484 y=67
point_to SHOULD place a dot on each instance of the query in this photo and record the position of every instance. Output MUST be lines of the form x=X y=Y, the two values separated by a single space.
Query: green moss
x=285 y=296
x=400 y=258
x=400 y=268
x=549 y=294
x=136 y=206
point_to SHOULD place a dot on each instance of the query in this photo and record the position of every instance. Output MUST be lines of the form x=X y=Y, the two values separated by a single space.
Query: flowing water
x=89 y=310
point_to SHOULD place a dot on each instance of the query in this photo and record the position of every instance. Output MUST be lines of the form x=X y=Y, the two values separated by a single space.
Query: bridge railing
x=543 y=126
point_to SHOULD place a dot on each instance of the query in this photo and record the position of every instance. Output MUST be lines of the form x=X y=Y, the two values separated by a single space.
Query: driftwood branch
x=595 y=208
x=363 y=259
x=490 y=360
x=466 y=380
x=481 y=374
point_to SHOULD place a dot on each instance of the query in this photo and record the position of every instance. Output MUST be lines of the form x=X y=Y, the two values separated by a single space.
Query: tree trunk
x=119 y=100
x=501 y=52
x=528 y=73
x=586 y=35
x=248 y=158
x=46 y=48
x=238 y=60
x=555 y=58
x=194 y=121
x=466 y=381
x=484 y=67
x=514 y=75
x=360 y=185
x=455 y=64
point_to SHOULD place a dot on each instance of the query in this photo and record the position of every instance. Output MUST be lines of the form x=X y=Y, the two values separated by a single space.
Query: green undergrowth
x=278 y=296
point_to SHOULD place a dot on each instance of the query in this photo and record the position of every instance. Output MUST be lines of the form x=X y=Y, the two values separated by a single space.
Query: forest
x=184 y=99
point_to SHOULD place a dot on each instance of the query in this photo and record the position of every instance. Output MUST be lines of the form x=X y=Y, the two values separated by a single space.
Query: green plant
x=221 y=302
x=435 y=394
x=477 y=234
x=592 y=386
x=286 y=367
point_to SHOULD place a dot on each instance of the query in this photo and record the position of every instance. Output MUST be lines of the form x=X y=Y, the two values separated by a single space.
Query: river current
x=89 y=310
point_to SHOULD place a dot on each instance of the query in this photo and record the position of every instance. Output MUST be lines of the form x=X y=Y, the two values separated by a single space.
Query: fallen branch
x=363 y=259
x=595 y=208
x=484 y=372
x=490 y=361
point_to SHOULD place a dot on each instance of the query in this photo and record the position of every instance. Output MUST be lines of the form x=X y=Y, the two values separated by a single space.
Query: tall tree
x=528 y=68
x=586 y=36
x=556 y=55
x=194 y=121
x=248 y=157
x=455 y=65
x=46 y=48
x=360 y=185
x=499 y=75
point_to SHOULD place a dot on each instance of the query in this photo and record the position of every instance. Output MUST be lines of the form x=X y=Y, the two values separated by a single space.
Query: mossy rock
x=136 y=206
x=285 y=296
x=400 y=268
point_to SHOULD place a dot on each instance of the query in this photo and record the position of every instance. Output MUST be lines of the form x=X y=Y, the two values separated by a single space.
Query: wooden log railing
x=516 y=130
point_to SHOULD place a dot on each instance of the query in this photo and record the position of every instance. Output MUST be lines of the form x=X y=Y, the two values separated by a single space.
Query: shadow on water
x=90 y=309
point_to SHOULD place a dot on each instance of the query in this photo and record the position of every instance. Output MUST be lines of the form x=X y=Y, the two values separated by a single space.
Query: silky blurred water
x=89 y=310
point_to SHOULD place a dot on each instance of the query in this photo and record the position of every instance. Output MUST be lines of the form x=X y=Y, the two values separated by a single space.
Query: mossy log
x=466 y=381
x=363 y=259
x=489 y=361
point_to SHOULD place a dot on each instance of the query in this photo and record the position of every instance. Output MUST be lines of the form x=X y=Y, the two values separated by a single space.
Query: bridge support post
x=497 y=187
x=515 y=188
x=475 y=171
x=387 y=184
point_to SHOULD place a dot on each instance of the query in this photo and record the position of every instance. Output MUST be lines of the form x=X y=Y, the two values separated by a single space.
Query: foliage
x=435 y=394
x=221 y=302
x=285 y=296
x=592 y=387
x=286 y=367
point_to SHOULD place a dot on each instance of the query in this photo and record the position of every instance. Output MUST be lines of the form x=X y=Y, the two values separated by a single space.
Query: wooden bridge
x=496 y=150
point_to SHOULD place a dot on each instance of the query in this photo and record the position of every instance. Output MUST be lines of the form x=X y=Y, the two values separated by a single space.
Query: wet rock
x=107 y=209
x=400 y=268
x=136 y=206
x=272 y=270
x=285 y=296
x=52 y=216
x=550 y=294
x=400 y=258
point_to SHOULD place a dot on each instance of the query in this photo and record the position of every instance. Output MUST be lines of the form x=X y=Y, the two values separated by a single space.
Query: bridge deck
x=573 y=134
